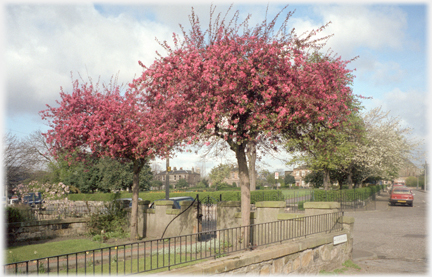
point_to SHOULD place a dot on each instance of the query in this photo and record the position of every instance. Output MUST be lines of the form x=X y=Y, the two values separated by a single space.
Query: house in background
x=299 y=174
x=192 y=177
x=233 y=177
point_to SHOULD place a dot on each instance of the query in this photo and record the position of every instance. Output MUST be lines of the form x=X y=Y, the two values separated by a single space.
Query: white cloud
x=356 y=26
x=409 y=106
x=47 y=42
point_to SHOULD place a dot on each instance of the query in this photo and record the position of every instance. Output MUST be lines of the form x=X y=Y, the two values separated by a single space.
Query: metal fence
x=350 y=200
x=169 y=253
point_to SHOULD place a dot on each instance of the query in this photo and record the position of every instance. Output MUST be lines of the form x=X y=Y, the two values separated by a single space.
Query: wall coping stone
x=149 y=211
x=144 y=202
x=185 y=203
x=321 y=205
x=229 y=204
x=270 y=204
x=243 y=259
x=164 y=203
x=284 y=216
x=252 y=215
x=173 y=211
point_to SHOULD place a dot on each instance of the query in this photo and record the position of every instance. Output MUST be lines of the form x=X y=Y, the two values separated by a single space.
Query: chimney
x=193 y=170
x=175 y=168
x=181 y=168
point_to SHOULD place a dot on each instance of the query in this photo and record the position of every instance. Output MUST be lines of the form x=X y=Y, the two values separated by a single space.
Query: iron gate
x=207 y=217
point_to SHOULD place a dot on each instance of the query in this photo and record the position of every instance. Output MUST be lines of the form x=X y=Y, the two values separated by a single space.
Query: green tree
x=182 y=183
x=219 y=173
x=289 y=179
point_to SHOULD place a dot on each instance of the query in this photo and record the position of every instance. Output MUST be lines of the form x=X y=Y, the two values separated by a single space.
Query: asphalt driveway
x=391 y=239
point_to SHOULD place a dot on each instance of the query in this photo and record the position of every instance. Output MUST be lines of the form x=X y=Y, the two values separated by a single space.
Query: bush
x=300 y=205
x=19 y=213
x=110 y=222
x=14 y=215
x=344 y=195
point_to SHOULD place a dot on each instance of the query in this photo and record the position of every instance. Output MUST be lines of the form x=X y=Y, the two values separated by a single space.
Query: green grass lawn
x=118 y=264
x=37 y=251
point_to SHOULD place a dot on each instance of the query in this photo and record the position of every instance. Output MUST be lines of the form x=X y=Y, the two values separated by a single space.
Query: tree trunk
x=251 y=155
x=245 y=190
x=326 y=179
x=137 y=166
x=349 y=180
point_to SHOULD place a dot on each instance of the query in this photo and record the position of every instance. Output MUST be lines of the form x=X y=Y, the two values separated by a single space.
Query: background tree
x=289 y=179
x=239 y=86
x=384 y=150
x=219 y=173
x=14 y=161
x=96 y=122
x=182 y=183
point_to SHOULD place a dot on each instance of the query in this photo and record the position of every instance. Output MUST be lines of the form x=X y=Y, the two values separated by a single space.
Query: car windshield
x=402 y=191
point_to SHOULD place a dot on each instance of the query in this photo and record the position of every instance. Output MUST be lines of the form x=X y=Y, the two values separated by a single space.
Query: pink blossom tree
x=102 y=122
x=241 y=83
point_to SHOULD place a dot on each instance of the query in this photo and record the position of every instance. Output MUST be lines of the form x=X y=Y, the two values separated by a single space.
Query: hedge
x=346 y=194
x=268 y=195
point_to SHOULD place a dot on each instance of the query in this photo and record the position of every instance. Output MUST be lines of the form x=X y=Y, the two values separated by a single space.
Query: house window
x=175 y=177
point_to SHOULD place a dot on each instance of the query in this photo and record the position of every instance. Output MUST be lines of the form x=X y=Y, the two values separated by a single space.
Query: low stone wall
x=154 y=221
x=21 y=231
x=300 y=256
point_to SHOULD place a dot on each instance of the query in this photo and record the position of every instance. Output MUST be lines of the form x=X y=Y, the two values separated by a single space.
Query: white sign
x=276 y=175
x=340 y=239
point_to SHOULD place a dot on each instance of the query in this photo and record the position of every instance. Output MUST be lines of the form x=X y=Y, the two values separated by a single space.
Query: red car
x=401 y=195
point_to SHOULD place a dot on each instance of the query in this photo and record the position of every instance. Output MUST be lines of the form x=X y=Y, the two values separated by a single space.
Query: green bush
x=19 y=213
x=14 y=215
x=344 y=195
x=300 y=205
x=110 y=222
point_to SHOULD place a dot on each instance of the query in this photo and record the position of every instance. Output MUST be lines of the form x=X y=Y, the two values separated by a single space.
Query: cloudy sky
x=45 y=43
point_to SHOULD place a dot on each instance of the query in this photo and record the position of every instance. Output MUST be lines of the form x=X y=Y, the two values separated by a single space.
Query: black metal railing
x=168 y=253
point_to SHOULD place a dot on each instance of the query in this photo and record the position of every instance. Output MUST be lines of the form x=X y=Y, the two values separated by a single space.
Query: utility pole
x=168 y=169
x=425 y=175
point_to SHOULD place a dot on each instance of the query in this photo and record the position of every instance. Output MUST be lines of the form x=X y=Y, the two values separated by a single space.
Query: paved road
x=392 y=239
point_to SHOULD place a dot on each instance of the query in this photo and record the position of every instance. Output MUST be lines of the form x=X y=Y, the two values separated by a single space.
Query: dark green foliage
x=182 y=183
x=110 y=222
x=316 y=178
x=102 y=174
x=345 y=195
x=226 y=186
x=14 y=214
x=300 y=205
x=289 y=179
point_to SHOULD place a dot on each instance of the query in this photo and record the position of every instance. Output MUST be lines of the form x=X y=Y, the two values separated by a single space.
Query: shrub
x=300 y=205
x=19 y=213
x=110 y=222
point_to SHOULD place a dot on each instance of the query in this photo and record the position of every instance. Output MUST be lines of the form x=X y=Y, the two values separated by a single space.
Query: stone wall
x=155 y=221
x=301 y=256
x=46 y=229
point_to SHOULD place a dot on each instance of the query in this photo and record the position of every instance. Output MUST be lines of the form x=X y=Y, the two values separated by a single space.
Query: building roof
x=178 y=172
